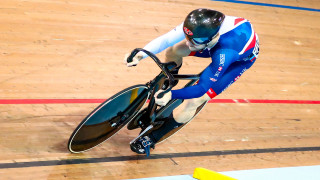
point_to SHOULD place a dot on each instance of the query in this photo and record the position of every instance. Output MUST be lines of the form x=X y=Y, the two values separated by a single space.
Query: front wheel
x=108 y=118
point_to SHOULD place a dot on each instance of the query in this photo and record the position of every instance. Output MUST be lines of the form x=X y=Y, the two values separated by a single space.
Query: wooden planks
x=74 y=49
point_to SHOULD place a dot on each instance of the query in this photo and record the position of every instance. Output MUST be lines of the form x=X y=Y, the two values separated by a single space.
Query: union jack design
x=213 y=79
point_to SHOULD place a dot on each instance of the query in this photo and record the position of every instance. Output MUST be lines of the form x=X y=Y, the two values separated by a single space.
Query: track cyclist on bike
x=229 y=41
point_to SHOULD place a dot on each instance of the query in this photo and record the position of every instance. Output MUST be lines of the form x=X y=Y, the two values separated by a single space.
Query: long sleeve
x=167 y=40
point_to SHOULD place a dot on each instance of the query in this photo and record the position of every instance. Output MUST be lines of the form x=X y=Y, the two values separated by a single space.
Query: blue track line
x=270 y=5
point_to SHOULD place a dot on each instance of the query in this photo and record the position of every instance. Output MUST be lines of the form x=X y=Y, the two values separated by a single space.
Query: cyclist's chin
x=196 y=48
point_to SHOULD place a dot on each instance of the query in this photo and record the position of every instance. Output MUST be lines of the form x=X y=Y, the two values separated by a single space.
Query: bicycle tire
x=108 y=118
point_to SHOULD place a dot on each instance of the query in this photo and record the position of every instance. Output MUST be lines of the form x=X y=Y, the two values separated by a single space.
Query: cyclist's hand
x=135 y=59
x=164 y=100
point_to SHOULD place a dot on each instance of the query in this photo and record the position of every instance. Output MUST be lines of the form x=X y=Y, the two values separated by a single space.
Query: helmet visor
x=200 y=41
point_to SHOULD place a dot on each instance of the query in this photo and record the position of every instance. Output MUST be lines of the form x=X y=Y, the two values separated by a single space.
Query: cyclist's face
x=193 y=46
x=214 y=40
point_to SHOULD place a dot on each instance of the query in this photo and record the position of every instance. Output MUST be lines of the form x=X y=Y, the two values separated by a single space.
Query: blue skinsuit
x=235 y=52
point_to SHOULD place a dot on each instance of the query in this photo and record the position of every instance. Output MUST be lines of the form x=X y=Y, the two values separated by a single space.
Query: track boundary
x=153 y=156
x=270 y=5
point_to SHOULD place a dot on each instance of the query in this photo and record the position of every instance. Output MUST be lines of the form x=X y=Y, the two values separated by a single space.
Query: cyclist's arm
x=167 y=40
x=197 y=90
x=221 y=60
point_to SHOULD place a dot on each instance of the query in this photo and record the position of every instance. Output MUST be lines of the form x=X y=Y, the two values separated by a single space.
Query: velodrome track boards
x=59 y=59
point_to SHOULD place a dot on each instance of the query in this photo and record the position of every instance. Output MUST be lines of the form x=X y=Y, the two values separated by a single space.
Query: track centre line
x=90 y=101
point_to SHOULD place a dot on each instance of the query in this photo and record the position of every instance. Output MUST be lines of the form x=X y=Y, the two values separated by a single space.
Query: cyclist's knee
x=171 y=56
x=177 y=52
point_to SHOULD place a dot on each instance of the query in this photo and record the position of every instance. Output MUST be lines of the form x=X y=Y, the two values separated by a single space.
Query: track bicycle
x=125 y=108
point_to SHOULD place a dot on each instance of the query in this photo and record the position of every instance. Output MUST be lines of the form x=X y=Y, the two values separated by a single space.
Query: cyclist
x=229 y=41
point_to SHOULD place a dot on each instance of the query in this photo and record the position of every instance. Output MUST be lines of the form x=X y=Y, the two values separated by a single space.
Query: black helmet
x=201 y=25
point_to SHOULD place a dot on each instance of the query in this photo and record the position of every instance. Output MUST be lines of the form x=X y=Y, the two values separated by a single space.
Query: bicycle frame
x=86 y=136
x=155 y=85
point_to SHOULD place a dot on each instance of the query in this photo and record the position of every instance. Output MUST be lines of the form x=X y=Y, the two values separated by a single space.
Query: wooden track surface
x=73 y=49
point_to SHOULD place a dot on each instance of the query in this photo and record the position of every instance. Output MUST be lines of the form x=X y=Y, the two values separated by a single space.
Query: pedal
x=142 y=133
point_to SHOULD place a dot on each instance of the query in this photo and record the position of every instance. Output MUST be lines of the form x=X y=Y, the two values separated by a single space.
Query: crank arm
x=140 y=135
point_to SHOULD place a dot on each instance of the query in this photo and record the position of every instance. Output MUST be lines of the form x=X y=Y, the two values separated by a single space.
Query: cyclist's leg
x=184 y=113
x=180 y=116
x=177 y=52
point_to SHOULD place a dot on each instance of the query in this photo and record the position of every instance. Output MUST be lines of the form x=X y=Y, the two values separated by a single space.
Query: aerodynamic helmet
x=201 y=25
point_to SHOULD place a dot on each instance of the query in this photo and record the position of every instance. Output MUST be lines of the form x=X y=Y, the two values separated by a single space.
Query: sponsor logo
x=222 y=59
x=221 y=64
x=243 y=70
x=213 y=79
x=235 y=79
x=187 y=31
